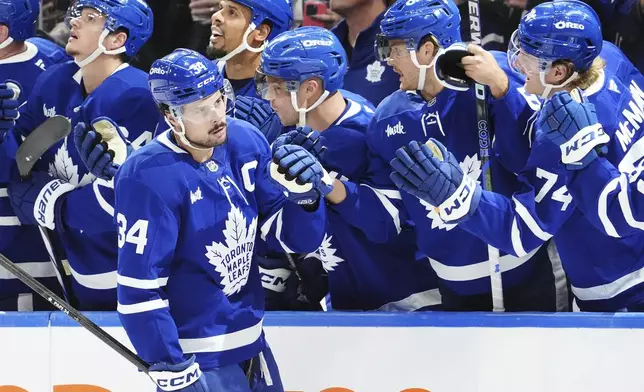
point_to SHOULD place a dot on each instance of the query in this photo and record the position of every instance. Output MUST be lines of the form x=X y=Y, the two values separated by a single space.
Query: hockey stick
x=483 y=128
x=66 y=308
x=31 y=149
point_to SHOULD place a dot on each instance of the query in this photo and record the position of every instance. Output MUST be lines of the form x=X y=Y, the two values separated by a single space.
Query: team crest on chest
x=326 y=254
x=375 y=71
x=64 y=168
x=232 y=258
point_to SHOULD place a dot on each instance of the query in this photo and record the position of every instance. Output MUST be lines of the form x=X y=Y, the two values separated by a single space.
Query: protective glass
x=386 y=51
x=522 y=62
x=87 y=17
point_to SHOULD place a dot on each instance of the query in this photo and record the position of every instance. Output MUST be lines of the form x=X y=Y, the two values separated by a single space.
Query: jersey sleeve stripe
x=144 y=284
x=104 y=281
x=530 y=222
x=142 y=307
x=624 y=202
x=602 y=208
x=391 y=209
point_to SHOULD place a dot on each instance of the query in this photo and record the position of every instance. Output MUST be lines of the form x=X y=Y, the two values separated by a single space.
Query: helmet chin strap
x=422 y=68
x=548 y=87
x=302 y=111
x=99 y=50
x=182 y=134
x=6 y=43
x=244 y=45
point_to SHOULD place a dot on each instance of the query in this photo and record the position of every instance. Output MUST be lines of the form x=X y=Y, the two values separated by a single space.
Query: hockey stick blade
x=39 y=141
x=74 y=314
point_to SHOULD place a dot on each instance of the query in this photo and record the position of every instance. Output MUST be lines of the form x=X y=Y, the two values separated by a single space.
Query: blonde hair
x=587 y=78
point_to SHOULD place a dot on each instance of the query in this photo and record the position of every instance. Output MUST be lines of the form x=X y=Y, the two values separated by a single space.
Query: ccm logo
x=569 y=25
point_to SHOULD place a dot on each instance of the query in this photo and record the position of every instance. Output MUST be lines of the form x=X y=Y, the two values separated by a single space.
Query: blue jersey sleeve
x=147 y=237
x=531 y=217
x=612 y=201
x=286 y=226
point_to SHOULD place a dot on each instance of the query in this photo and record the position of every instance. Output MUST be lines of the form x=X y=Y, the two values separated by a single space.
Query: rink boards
x=340 y=352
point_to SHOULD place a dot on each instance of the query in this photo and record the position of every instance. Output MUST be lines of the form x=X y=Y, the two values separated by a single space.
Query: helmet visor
x=88 y=17
x=212 y=108
x=269 y=88
x=522 y=62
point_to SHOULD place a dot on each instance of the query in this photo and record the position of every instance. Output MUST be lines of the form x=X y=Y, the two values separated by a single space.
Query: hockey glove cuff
x=432 y=174
x=572 y=125
x=184 y=377
x=300 y=175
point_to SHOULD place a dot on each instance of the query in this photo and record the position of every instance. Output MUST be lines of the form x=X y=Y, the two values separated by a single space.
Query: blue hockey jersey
x=609 y=191
x=362 y=274
x=459 y=258
x=88 y=233
x=243 y=87
x=22 y=244
x=603 y=271
x=187 y=283
x=366 y=76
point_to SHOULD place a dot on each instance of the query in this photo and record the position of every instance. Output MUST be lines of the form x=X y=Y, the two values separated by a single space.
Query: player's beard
x=214 y=137
x=215 y=53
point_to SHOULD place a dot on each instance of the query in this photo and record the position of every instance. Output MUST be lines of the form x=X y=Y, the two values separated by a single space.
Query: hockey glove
x=259 y=113
x=432 y=174
x=9 y=93
x=572 y=125
x=311 y=140
x=300 y=175
x=184 y=377
x=37 y=200
x=102 y=147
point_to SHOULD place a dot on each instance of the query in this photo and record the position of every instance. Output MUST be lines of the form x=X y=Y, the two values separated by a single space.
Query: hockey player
x=23 y=57
x=188 y=206
x=366 y=75
x=424 y=108
x=78 y=208
x=240 y=31
x=300 y=73
x=604 y=272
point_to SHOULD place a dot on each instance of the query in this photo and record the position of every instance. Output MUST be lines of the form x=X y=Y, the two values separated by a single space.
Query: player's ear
x=4 y=33
x=260 y=34
x=426 y=52
x=115 y=40
x=561 y=72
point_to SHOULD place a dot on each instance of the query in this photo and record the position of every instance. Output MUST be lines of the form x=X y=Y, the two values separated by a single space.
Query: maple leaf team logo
x=470 y=166
x=375 y=71
x=232 y=259
x=326 y=254
x=63 y=168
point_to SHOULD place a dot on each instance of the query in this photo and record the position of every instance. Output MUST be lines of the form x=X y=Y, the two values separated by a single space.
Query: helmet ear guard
x=449 y=70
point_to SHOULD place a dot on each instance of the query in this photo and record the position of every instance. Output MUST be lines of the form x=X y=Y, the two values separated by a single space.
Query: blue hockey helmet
x=559 y=30
x=20 y=16
x=278 y=13
x=182 y=77
x=303 y=53
x=134 y=16
x=413 y=20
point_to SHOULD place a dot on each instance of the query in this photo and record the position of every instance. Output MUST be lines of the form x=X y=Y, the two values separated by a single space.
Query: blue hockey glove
x=37 y=200
x=300 y=175
x=9 y=92
x=184 y=377
x=311 y=140
x=101 y=146
x=431 y=173
x=259 y=113
x=572 y=125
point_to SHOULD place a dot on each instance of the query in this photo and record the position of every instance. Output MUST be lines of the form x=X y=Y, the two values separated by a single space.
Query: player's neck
x=98 y=70
x=243 y=65
x=359 y=18
x=432 y=88
x=326 y=113
x=14 y=48
x=200 y=156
